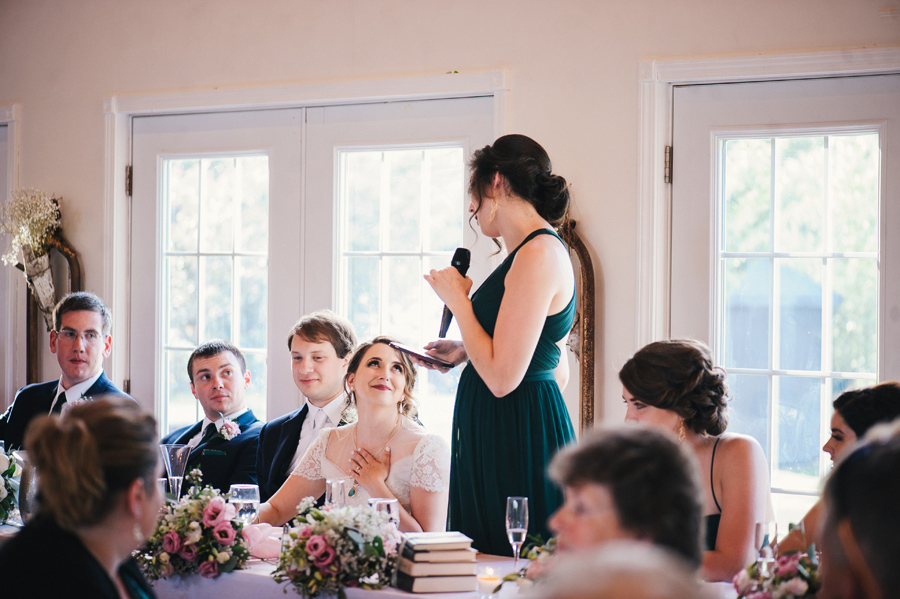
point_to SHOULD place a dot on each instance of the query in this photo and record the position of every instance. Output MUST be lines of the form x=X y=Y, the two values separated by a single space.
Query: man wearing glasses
x=80 y=340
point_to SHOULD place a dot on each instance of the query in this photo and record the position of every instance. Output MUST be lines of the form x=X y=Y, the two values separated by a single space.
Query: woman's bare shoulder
x=739 y=447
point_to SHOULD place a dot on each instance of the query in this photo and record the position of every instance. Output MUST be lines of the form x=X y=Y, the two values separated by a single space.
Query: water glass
x=765 y=540
x=389 y=505
x=245 y=498
x=336 y=491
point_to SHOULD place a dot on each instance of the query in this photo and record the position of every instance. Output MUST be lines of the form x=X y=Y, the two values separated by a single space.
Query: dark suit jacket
x=278 y=441
x=222 y=462
x=35 y=400
x=74 y=572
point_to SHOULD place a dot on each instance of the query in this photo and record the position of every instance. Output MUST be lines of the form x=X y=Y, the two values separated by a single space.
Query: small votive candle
x=487 y=582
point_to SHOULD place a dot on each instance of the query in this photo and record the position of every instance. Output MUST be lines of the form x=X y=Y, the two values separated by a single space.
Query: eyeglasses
x=71 y=335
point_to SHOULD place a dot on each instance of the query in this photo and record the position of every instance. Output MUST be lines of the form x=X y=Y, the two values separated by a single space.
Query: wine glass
x=765 y=541
x=516 y=524
x=336 y=491
x=246 y=499
x=175 y=457
x=389 y=505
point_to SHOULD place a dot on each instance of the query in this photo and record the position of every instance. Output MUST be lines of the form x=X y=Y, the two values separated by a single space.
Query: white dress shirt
x=316 y=420
x=75 y=391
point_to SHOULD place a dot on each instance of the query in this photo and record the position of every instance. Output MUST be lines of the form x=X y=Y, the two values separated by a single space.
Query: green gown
x=501 y=445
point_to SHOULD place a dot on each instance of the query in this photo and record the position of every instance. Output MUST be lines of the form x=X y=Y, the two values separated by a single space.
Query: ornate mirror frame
x=581 y=337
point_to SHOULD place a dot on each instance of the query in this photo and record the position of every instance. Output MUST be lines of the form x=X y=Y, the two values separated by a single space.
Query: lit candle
x=487 y=582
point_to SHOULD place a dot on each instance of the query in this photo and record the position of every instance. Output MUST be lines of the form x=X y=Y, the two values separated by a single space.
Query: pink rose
x=214 y=512
x=224 y=533
x=315 y=545
x=324 y=558
x=305 y=531
x=166 y=571
x=188 y=552
x=230 y=430
x=760 y=595
x=208 y=569
x=171 y=542
x=786 y=565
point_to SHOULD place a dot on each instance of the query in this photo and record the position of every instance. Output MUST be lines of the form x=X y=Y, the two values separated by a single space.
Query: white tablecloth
x=255 y=582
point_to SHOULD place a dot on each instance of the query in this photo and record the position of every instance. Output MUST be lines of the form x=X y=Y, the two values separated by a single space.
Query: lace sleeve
x=310 y=466
x=431 y=465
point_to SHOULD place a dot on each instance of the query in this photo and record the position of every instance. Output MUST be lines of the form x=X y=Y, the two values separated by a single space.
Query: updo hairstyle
x=526 y=168
x=678 y=375
x=88 y=456
x=863 y=408
x=408 y=405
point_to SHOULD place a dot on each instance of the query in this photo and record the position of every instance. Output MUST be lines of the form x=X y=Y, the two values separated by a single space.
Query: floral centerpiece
x=329 y=549
x=540 y=556
x=10 y=474
x=31 y=218
x=197 y=535
x=791 y=576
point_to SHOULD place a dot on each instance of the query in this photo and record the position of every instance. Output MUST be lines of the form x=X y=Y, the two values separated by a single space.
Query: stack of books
x=436 y=562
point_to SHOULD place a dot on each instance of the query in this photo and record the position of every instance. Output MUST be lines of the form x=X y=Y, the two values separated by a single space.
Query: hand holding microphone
x=461 y=259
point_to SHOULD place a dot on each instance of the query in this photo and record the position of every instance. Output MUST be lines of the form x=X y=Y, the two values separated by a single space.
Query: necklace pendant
x=352 y=492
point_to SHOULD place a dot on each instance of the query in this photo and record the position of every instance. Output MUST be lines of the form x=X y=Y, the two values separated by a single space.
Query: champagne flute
x=766 y=538
x=245 y=498
x=516 y=524
x=175 y=457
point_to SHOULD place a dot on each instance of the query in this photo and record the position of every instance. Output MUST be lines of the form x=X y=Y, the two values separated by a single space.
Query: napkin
x=263 y=540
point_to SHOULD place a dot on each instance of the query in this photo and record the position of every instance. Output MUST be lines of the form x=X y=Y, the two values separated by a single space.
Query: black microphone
x=460 y=262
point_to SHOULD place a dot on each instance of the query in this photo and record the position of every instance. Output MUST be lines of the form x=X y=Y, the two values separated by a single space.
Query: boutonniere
x=229 y=429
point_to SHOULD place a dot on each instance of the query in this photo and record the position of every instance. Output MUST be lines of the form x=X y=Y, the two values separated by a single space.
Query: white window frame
x=120 y=110
x=13 y=304
x=657 y=78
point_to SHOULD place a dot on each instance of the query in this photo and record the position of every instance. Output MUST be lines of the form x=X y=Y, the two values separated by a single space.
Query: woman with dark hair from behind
x=629 y=482
x=861 y=530
x=673 y=385
x=855 y=412
x=98 y=501
x=510 y=417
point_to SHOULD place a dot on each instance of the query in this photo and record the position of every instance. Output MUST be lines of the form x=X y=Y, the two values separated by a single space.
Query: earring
x=138 y=534
x=681 y=433
x=493 y=210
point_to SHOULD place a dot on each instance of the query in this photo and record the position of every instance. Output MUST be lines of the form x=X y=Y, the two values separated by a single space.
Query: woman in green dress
x=510 y=417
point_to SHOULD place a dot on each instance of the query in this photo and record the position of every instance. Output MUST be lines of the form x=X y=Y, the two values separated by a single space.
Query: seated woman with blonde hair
x=98 y=500
x=385 y=452
x=673 y=385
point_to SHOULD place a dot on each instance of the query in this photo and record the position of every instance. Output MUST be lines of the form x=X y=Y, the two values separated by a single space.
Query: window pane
x=403 y=295
x=749 y=408
x=799 y=194
x=215 y=297
x=256 y=394
x=404 y=201
x=182 y=406
x=796 y=465
x=855 y=322
x=748 y=166
x=853 y=163
x=183 y=185
x=363 y=305
x=447 y=181
x=800 y=313
x=252 y=297
x=746 y=335
x=182 y=300
x=253 y=229
x=218 y=188
x=361 y=190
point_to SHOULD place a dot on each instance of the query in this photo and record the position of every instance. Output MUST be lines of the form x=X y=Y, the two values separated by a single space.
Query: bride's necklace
x=394 y=432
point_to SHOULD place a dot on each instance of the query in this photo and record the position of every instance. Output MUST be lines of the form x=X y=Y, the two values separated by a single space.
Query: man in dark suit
x=224 y=442
x=80 y=339
x=320 y=344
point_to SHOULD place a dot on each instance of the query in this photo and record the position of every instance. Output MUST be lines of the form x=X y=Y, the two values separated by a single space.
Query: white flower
x=18 y=472
x=3 y=492
x=193 y=534
x=224 y=556
x=743 y=583
x=4 y=463
x=164 y=558
x=795 y=587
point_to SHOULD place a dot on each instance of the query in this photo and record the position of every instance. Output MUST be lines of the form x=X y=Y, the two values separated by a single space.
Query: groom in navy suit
x=224 y=442
x=80 y=339
x=320 y=344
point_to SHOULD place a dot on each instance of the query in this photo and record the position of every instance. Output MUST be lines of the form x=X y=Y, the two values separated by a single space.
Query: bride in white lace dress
x=386 y=453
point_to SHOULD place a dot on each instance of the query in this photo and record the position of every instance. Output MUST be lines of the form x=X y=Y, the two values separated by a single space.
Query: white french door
x=216 y=217
x=784 y=198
